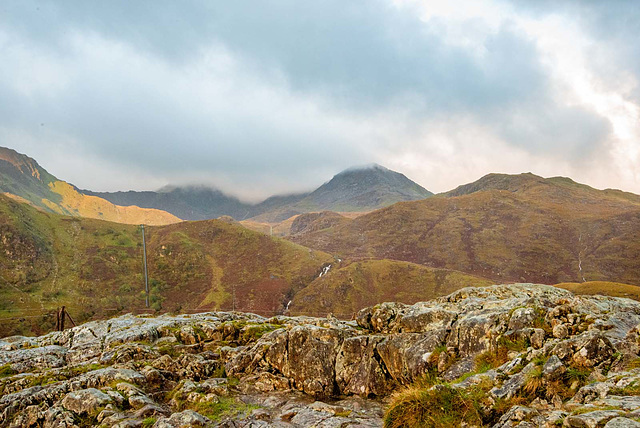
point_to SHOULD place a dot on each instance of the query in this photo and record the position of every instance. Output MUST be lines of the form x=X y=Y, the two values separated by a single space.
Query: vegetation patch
x=226 y=407
x=632 y=389
x=6 y=371
x=148 y=422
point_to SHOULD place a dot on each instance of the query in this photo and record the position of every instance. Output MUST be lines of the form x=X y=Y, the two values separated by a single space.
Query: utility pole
x=234 y=297
x=144 y=258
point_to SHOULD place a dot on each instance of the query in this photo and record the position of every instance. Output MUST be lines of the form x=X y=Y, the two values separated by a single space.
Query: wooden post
x=61 y=317
x=58 y=319
x=71 y=319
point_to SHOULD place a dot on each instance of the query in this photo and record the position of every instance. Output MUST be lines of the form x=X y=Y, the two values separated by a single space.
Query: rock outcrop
x=538 y=355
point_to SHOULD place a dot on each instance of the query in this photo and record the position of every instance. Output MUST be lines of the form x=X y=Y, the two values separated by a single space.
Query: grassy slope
x=23 y=179
x=349 y=287
x=603 y=288
x=535 y=230
x=95 y=267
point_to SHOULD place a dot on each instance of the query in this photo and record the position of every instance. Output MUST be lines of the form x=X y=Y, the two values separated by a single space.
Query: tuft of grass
x=634 y=364
x=491 y=359
x=438 y=407
x=534 y=382
x=253 y=332
x=513 y=345
x=579 y=374
x=148 y=422
x=557 y=387
x=631 y=389
x=6 y=371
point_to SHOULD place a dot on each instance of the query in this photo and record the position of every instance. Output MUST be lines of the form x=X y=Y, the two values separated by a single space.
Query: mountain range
x=500 y=228
x=359 y=189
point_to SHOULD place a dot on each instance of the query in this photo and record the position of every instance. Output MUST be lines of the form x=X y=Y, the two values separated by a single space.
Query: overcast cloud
x=263 y=97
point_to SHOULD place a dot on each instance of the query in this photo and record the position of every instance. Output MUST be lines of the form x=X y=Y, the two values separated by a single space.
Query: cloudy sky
x=259 y=97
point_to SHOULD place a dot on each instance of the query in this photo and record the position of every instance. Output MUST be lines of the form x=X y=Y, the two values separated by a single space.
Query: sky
x=265 y=97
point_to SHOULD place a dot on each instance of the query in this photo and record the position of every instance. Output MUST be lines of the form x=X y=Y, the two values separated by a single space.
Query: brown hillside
x=348 y=287
x=529 y=230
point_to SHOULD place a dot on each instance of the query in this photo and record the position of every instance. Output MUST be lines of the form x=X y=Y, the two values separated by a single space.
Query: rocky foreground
x=532 y=355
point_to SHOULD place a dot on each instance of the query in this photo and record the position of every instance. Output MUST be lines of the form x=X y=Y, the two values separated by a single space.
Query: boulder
x=622 y=423
x=86 y=402
x=593 y=419
x=185 y=419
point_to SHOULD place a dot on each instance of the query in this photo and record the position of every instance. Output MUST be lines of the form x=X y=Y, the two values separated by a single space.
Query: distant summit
x=359 y=188
x=365 y=188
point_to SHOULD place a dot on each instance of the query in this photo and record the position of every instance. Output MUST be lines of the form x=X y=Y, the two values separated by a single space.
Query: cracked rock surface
x=548 y=357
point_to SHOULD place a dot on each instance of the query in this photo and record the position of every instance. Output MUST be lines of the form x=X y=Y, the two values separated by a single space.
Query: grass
x=148 y=422
x=577 y=374
x=440 y=407
x=226 y=407
x=491 y=359
x=6 y=371
x=253 y=332
x=605 y=288
x=518 y=345
x=534 y=383
x=631 y=389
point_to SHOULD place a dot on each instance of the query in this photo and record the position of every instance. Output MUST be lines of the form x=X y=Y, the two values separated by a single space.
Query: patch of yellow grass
x=77 y=204
x=613 y=289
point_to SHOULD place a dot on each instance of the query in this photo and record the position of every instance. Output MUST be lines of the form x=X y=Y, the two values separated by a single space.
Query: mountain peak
x=496 y=181
x=364 y=188
x=367 y=167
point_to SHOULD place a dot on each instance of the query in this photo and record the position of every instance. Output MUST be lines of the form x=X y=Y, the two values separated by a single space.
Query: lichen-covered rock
x=554 y=354
x=185 y=419
x=622 y=423
x=520 y=416
x=554 y=368
x=24 y=360
x=593 y=419
x=358 y=367
x=86 y=401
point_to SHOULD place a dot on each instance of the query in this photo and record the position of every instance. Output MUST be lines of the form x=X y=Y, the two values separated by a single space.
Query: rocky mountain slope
x=516 y=228
x=24 y=180
x=520 y=355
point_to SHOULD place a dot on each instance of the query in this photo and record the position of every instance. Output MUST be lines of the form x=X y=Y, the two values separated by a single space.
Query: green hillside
x=95 y=267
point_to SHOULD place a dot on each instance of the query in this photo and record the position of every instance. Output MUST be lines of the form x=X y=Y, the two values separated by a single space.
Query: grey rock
x=554 y=368
x=86 y=401
x=594 y=419
x=185 y=419
x=622 y=423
